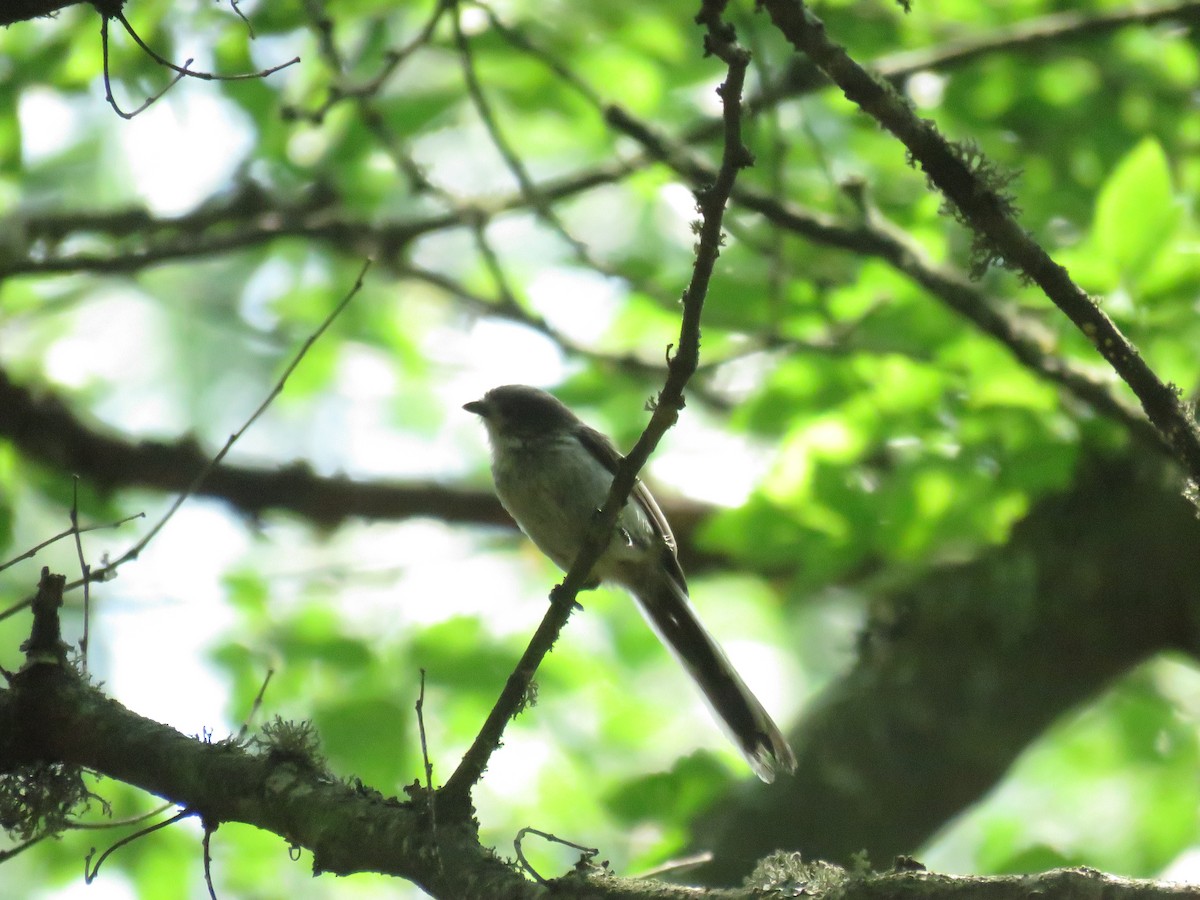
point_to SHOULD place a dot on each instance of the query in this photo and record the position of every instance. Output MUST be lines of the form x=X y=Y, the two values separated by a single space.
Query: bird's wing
x=607 y=455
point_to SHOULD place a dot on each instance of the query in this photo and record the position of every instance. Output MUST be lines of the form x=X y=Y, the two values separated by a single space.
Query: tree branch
x=1044 y=33
x=958 y=672
x=255 y=217
x=711 y=201
x=14 y=11
x=974 y=188
x=1028 y=342
x=57 y=717
x=47 y=432
x=354 y=829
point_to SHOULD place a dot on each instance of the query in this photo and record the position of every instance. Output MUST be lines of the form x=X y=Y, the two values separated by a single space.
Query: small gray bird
x=552 y=474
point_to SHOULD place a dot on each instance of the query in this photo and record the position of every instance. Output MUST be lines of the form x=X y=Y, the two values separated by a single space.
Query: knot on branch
x=45 y=644
x=110 y=9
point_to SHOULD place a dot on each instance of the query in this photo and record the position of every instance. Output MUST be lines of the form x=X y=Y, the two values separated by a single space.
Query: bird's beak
x=479 y=407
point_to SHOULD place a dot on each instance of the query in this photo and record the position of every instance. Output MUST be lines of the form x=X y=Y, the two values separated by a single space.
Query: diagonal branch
x=875 y=236
x=968 y=182
x=961 y=669
x=1044 y=33
x=711 y=202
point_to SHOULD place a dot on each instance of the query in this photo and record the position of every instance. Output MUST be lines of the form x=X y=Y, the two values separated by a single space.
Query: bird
x=552 y=473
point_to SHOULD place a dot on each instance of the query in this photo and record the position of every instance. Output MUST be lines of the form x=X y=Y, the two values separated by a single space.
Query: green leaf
x=693 y=783
x=1136 y=211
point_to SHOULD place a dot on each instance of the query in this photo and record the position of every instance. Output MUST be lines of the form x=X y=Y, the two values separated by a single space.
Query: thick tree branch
x=960 y=671
x=53 y=717
x=956 y=675
x=14 y=11
x=42 y=427
x=250 y=219
x=966 y=179
x=44 y=430
x=57 y=718
x=1045 y=35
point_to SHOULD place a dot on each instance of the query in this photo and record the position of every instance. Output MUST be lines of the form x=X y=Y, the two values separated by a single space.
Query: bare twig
x=106 y=571
x=711 y=203
x=120 y=823
x=85 y=572
x=10 y=852
x=255 y=706
x=90 y=872
x=180 y=71
x=108 y=94
x=33 y=551
x=207 y=842
x=137 y=548
x=430 y=796
x=241 y=15
x=194 y=73
x=420 y=706
x=589 y=853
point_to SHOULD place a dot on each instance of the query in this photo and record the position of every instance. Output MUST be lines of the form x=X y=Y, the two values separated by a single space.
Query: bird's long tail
x=669 y=611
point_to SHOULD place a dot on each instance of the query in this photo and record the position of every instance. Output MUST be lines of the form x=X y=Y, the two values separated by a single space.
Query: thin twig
x=84 y=572
x=134 y=551
x=106 y=571
x=589 y=853
x=711 y=203
x=6 y=855
x=120 y=823
x=430 y=796
x=33 y=551
x=241 y=15
x=90 y=872
x=108 y=94
x=255 y=706
x=180 y=71
x=193 y=73
x=207 y=843
x=421 y=728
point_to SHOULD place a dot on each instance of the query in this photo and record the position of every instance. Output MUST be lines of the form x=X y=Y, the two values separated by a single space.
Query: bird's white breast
x=553 y=489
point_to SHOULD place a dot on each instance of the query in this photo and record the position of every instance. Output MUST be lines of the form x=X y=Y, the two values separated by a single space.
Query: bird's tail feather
x=667 y=607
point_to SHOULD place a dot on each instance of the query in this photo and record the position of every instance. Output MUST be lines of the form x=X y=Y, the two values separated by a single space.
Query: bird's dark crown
x=521 y=408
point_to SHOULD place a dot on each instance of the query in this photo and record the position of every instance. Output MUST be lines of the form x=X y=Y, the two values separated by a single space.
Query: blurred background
x=929 y=526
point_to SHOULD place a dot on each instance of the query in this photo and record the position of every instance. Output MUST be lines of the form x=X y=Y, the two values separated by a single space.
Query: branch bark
x=973 y=187
x=957 y=674
x=47 y=432
x=57 y=717
x=15 y=11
